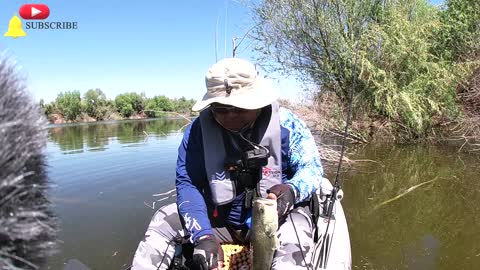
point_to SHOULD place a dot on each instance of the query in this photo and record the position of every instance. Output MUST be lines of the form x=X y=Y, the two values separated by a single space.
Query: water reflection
x=432 y=227
x=104 y=175
x=74 y=139
x=108 y=195
x=68 y=138
x=96 y=137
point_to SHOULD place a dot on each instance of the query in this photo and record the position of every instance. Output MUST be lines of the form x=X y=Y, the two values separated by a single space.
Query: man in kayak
x=241 y=146
x=27 y=224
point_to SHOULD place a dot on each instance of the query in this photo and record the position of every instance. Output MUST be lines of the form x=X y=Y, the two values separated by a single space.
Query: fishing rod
x=337 y=193
x=337 y=185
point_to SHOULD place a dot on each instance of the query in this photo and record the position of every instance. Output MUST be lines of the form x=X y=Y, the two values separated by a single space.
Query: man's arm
x=190 y=202
x=304 y=157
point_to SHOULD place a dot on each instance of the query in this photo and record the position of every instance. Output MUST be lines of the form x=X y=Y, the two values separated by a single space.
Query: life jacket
x=222 y=187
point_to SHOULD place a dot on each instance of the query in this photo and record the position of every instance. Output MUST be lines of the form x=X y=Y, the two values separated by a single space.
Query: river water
x=108 y=176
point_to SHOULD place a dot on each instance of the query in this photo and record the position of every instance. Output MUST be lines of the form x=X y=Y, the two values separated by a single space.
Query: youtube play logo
x=35 y=14
x=34 y=11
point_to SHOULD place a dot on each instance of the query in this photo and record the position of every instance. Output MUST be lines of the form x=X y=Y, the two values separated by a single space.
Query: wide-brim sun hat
x=235 y=82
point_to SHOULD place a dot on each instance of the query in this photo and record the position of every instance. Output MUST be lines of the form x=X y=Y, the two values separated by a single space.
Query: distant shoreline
x=59 y=120
x=108 y=121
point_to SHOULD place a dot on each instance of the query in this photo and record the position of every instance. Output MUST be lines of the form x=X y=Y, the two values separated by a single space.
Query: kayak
x=332 y=249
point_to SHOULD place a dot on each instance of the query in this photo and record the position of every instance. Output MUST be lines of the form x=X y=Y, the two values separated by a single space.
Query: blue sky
x=156 y=47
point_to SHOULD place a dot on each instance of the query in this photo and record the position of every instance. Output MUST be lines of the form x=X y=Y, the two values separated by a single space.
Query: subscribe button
x=34 y=11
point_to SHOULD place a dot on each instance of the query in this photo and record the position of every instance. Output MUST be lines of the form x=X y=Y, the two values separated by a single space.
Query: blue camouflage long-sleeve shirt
x=301 y=167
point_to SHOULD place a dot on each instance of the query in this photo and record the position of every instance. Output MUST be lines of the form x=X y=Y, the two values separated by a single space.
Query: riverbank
x=326 y=118
x=58 y=119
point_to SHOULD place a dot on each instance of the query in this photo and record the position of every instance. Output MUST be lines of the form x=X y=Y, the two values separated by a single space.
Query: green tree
x=124 y=105
x=95 y=103
x=158 y=104
x=398 y=76
x=138 y=101
x=129 y=103
x=314 y=39
x=182 y=105
x=69 y=104
x=459 y=34
x=49 y=108
x=163 y=103
x=402 y=79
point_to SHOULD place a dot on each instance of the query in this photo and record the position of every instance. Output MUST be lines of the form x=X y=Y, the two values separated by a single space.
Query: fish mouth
x=266 y=202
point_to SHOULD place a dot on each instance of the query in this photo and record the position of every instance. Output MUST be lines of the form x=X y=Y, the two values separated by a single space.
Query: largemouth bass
x=264 y=239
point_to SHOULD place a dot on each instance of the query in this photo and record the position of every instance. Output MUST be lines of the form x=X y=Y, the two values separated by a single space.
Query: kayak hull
x=332 y=249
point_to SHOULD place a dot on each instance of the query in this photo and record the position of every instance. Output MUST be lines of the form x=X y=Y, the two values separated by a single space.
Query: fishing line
x=337 y=184
x=347 y=125
x=299 y=243
x=164 y=254
x=254 y=145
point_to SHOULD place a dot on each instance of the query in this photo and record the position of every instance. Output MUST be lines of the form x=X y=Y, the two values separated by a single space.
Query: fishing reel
x=339 y=195
x=327 y=193
x=327 y=198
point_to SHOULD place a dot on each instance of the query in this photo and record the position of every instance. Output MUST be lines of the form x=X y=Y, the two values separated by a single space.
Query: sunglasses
x=223 y=109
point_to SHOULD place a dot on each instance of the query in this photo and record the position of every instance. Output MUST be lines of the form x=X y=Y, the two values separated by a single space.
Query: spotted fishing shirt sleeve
x=304 y=158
